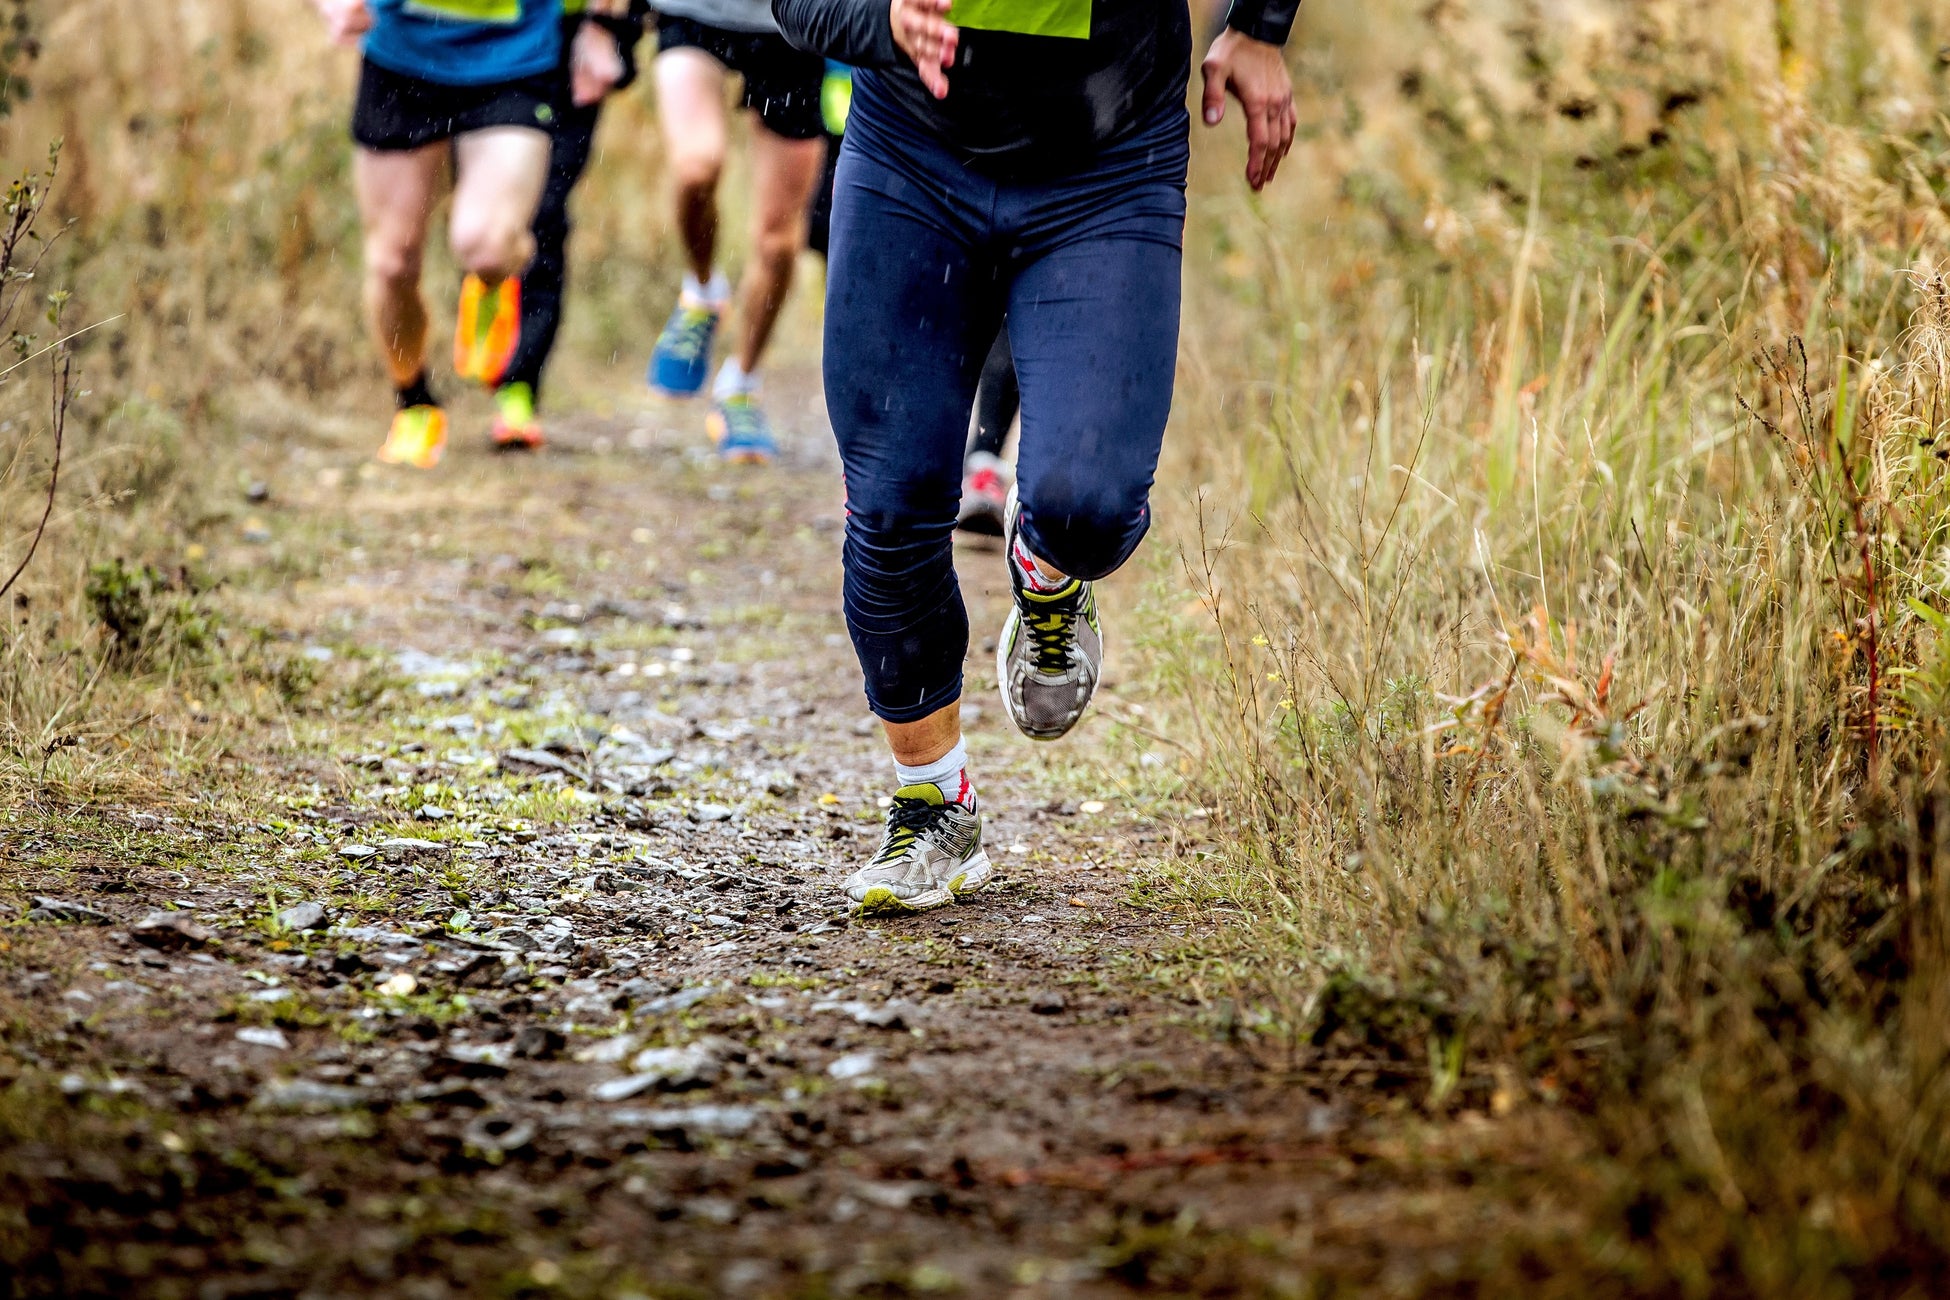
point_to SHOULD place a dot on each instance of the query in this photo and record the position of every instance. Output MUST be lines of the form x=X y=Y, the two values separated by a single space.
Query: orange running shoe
x=418 y=436
x=516 y=427
x=486 y=330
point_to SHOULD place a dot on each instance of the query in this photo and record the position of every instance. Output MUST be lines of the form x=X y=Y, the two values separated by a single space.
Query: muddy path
x=515 y=961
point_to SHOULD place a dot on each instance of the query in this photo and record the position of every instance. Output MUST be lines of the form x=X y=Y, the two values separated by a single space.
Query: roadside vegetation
x=1562 y=620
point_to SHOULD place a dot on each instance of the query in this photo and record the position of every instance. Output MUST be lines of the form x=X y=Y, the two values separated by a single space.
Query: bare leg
x=916 y=744
x=502 y=171
x=397 y=191
x=783 y=174
x=690 y=107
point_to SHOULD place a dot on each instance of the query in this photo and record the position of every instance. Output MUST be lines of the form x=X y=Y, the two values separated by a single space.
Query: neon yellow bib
x=468 y=11
x=1069 y=18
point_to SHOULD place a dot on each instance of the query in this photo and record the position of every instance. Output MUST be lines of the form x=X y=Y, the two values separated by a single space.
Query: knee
x=393 y=262
x=492 y=247
x=781 y=240
x=1086 y=530
x=695 y=171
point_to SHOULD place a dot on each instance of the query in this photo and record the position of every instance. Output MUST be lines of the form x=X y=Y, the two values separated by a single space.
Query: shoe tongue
x=925 y=791
x=1064 y=592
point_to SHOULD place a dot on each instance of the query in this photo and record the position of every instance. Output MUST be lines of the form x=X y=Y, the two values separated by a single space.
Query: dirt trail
x=594 y=1022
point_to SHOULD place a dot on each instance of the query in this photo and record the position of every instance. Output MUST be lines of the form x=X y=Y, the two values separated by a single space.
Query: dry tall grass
x=205 y=174
x=1570 y=653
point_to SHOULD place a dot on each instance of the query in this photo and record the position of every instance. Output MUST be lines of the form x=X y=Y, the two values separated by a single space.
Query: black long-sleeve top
x=1026 y=104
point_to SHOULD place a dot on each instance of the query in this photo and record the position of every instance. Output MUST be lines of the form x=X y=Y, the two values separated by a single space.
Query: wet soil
x=575 y=763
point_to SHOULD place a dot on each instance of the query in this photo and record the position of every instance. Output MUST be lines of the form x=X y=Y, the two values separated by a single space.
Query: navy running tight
x=927 y=257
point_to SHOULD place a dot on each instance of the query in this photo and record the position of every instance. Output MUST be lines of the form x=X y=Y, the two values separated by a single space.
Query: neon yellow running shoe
x=516 y=427
x=417 y=438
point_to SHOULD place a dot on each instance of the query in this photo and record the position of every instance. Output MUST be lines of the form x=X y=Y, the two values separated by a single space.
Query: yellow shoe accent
x=417 y=438
x=486 y=329
x=516 y=427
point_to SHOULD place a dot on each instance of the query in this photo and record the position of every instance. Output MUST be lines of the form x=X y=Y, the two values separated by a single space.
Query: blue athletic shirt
x=466 y=42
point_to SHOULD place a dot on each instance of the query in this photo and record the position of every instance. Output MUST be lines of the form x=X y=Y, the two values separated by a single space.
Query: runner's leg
x=1106 y=307
x=911 y=309
x=783 y=174
x=397 y=190
x=997 y=398
x=500 y=175
x=543 y=283
x=691 y=111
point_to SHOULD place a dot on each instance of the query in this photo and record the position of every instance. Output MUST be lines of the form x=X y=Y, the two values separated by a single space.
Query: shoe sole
x=882 y=901
x=519 y=444
x=675 y=394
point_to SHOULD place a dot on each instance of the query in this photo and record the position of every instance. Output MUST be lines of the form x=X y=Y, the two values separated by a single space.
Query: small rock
x=711 y=812
x=397 y=986
x=258 y=491
x=1091 y=806
x=1033 y=919
x=258 y=1036
x=682 y=1001
x=854 y=1065
x=677 y=1068
x=399 y=850
x=1048 y=1004
x=537 y=760
x=498 y=1133
x=609 y=1051
x=540 y=1043
x=167 y=931
x=358 y=852
x=256 y=530
x=682 y=1122
x=430 y=813
x=303 y=916
x=888 y=1015
x=308 y=1095
x=60 y=909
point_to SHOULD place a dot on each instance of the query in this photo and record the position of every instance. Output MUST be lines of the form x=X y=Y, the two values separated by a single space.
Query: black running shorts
x=781 y=83
x=395 y=112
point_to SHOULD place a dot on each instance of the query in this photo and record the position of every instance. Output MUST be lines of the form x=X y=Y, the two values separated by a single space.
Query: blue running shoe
x=740 y=429
x=682 y=359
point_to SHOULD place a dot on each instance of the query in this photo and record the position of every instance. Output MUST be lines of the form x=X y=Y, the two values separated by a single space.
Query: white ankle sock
x=715 y=294
x=949 y=772
x=734 y=380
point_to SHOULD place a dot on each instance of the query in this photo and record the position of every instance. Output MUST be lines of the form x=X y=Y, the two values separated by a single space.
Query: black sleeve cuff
x=1270 y=21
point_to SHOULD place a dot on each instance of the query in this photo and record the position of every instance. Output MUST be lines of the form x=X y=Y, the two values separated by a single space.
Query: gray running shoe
x=931 y=853
x=1050 y=653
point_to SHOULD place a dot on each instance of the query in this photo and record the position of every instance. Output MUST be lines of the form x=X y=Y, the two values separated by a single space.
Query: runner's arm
x=1246 y=61
x=1267 y=21
x=859 y=33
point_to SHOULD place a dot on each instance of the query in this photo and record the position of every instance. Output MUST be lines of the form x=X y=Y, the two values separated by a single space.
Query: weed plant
x=1564 y=615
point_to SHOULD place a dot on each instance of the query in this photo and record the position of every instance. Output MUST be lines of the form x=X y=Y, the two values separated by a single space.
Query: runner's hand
x=1256 y=74
x=922 y=30
x=345 y=20
x=595 y=65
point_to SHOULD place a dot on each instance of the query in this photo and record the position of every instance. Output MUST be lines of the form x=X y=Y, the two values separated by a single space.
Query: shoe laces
x=907 y=821
x=1052 y=634
x=692 y=336
x=986 y=481
x=743 y=421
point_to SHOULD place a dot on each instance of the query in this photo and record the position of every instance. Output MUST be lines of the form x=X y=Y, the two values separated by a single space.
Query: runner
x=466 y=83
x=698 y=42
x=1030 y=162
x=596 y=66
